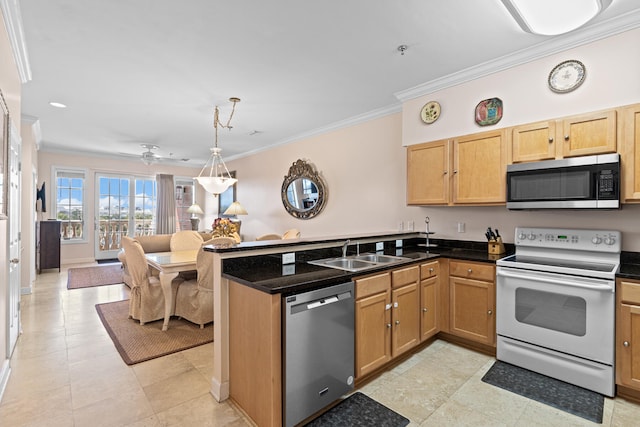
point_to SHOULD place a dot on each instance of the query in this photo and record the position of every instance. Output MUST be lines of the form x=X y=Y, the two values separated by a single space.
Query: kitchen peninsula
x=253 y=279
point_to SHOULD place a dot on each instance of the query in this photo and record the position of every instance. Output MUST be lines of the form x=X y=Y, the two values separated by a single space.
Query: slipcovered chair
x=269 y=237
x=291 y=234
x=194 y=301
x=186 y=240
x=146 y=302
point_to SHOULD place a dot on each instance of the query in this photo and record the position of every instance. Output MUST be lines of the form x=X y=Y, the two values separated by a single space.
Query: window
x=70 y=203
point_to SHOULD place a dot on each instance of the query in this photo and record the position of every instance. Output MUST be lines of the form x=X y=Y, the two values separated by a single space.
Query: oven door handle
x=512 y=275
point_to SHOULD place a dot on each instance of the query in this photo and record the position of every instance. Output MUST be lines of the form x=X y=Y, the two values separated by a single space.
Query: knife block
x=496 y=247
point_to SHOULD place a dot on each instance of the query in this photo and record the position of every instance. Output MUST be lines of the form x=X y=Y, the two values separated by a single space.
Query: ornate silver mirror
x=303 y=191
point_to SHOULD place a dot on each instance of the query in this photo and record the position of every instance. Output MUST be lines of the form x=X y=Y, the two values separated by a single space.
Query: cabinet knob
x=489 y=312
x=388 y=325
x=424 y=310
x=431 y=270
x=550 y=139
x=455 y=171
x=566 y=137
x=445 y=172
x=469 y=271
x=626 y=343
x=397 y=322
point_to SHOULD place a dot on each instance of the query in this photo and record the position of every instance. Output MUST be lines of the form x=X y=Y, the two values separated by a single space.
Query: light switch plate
x=289 y=258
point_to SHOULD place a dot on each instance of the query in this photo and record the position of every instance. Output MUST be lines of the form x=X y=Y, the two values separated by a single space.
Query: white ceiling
x=151 y=71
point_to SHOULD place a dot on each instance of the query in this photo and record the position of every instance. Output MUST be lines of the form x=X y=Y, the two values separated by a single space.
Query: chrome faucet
x=344 y=248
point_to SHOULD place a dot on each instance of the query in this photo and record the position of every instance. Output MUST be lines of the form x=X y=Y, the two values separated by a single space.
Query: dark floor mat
x=564 y=396
x=359 y=410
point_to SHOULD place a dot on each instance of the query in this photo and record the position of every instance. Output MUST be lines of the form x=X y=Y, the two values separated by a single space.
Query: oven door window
x=565 y=184
x=554 y=311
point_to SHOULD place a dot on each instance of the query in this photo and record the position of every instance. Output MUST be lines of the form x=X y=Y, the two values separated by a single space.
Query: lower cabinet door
x=472 y=303
x=628 y=348
x=428 y=308
x=373 y=332
x=405 y=318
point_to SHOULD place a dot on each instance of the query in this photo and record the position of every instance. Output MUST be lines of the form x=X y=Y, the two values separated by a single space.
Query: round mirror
x=303 y=191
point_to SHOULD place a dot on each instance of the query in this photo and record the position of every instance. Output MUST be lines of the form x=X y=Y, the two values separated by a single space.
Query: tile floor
x=66 y=372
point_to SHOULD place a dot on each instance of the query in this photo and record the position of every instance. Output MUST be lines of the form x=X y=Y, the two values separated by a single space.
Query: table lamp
x=195 y=210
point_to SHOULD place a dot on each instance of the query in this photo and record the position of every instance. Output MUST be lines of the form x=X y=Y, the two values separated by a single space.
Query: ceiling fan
x=149 y=157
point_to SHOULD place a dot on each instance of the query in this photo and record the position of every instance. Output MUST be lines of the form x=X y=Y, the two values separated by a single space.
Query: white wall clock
x=430 y=112
x=567 y=76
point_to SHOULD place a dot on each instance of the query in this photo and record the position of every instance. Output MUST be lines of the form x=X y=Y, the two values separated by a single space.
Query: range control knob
x=596 y=240
x=522 y=236
x=609 y=240
x=532 y=236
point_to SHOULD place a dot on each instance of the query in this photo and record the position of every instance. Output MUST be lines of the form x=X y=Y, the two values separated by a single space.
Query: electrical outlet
x=461 y=227
x=289 y=258
x=398 y=243
x=380 y=246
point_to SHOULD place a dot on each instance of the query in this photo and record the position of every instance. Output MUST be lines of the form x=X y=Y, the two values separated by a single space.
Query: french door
x=125 y=206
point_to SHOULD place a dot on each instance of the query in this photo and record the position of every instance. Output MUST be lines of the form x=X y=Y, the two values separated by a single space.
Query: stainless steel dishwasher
x=318 y=362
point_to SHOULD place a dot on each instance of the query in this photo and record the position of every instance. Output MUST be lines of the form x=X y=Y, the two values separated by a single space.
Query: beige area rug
x=137 y=343
x=86 y=277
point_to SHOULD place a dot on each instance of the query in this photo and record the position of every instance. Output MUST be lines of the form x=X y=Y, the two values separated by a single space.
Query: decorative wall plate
x=567 y=76
x=489 y=111
x=430 y=112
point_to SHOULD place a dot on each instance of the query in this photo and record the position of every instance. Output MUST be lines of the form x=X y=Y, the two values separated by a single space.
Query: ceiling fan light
x=554 y=17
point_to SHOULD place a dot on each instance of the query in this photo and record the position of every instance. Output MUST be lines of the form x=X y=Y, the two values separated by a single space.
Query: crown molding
x=602 y=30
x=13 y=22
x=34 y=122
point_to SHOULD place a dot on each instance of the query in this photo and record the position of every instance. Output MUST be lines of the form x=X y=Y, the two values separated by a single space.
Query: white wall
x=365 y=165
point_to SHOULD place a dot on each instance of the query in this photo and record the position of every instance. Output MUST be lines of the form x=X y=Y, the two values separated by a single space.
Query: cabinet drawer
x=630 y=292
x=472 y=270
x=431 y=269
x=405 y=276
x=372 y=285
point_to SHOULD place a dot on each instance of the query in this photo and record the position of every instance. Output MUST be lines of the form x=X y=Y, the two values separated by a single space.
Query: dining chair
x=194 y=300
x=292 y=233
x=146 y=302
x=185 y=240
x=271 y=236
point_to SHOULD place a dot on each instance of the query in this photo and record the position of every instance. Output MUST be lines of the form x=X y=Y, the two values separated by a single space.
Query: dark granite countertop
x=267 y=273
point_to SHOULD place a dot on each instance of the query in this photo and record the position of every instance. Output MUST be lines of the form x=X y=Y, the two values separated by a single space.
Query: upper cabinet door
x=588 y=134
x=534 y=142
x=479 y=168
x=630 y=151
x=428 y=173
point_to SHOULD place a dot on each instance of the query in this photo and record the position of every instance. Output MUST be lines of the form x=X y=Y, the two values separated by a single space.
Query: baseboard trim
x=5 y=372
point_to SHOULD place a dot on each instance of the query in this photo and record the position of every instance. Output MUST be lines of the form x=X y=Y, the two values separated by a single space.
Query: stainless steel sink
x=358 y=262
x=378 y=258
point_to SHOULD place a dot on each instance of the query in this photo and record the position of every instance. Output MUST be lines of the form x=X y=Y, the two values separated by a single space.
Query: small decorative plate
x=489 y=111
x=567 y=76
x=430 y=112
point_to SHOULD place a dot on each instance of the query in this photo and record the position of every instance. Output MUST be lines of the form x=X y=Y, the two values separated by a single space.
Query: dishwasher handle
x=320 y=302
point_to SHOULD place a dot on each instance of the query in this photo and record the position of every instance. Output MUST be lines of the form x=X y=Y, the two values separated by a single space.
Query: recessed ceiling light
x=553 y=17
x=57 y=104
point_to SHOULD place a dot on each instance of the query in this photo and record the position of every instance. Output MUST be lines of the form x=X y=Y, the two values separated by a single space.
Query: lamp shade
x=235 y=209
x=215 y=184
x=195 y=209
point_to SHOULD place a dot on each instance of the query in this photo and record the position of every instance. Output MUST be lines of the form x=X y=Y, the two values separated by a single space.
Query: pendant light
x=219 y=178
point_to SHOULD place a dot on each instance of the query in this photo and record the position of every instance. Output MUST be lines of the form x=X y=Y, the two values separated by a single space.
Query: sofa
x=150 y=244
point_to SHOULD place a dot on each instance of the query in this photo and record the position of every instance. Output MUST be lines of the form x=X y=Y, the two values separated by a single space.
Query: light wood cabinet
x=429 y=293
x=428 y=168
x=387 y=317
x=587 y=134
x=630 y=151
x=533 y=142
x=628 y=333
x=373 y=323
x=468 y=170
x=472 y=301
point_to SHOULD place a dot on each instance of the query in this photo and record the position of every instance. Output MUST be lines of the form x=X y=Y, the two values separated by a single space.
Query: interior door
x=14 y=181
x=125 y=206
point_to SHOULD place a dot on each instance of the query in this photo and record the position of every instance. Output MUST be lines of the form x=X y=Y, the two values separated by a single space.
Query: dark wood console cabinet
x=47 y=245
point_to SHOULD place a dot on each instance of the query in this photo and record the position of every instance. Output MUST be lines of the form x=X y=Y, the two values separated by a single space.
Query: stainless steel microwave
x=589 y=182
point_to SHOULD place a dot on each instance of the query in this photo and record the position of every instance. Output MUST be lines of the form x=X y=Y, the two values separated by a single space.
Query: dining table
x=169 y=265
